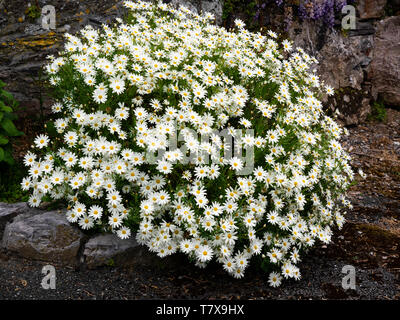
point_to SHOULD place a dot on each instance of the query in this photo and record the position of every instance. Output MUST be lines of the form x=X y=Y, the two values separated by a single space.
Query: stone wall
x=24 y=44
x=363 y=64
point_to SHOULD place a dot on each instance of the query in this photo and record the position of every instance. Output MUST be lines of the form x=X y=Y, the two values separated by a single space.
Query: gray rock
x=34 y=29
x=110 y=250
x=362 y=28
x=214 y=7
x=9 y=211
x=366 y=44
x=363 y=109
x=385 y=65
x=340 y=58
x=344 y=63
x=365 y=61
x=369 y=9
x=191 y=5
x=46 y=236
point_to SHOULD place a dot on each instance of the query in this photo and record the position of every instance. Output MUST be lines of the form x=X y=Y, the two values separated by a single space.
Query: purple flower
x=321 y=10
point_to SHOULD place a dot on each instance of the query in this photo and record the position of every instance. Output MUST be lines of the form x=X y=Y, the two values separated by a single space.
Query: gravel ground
x=322 y=277
x=370 y=241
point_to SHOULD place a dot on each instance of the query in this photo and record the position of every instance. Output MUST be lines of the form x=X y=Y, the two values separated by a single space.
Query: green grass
x=378 y=112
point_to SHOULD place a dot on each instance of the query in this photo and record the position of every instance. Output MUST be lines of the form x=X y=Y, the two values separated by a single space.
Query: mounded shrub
x=193 y=138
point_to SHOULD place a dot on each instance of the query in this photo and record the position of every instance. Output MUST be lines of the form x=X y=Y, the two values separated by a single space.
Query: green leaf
x=1 y=154
x=7 y=95
x=9 y=127
x=51 y=128
x=8 y=157
x=12 y=116
x=5 y=108
x=3 y=139
x=15 y=104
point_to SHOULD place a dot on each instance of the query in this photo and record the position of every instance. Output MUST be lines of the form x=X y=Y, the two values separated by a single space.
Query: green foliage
x=111 y=263
x=33 y=12
x=7 y=127
x=391 y=8
x=344 y=32
x=10 y=187
x=378 y=112
x=232 y=6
